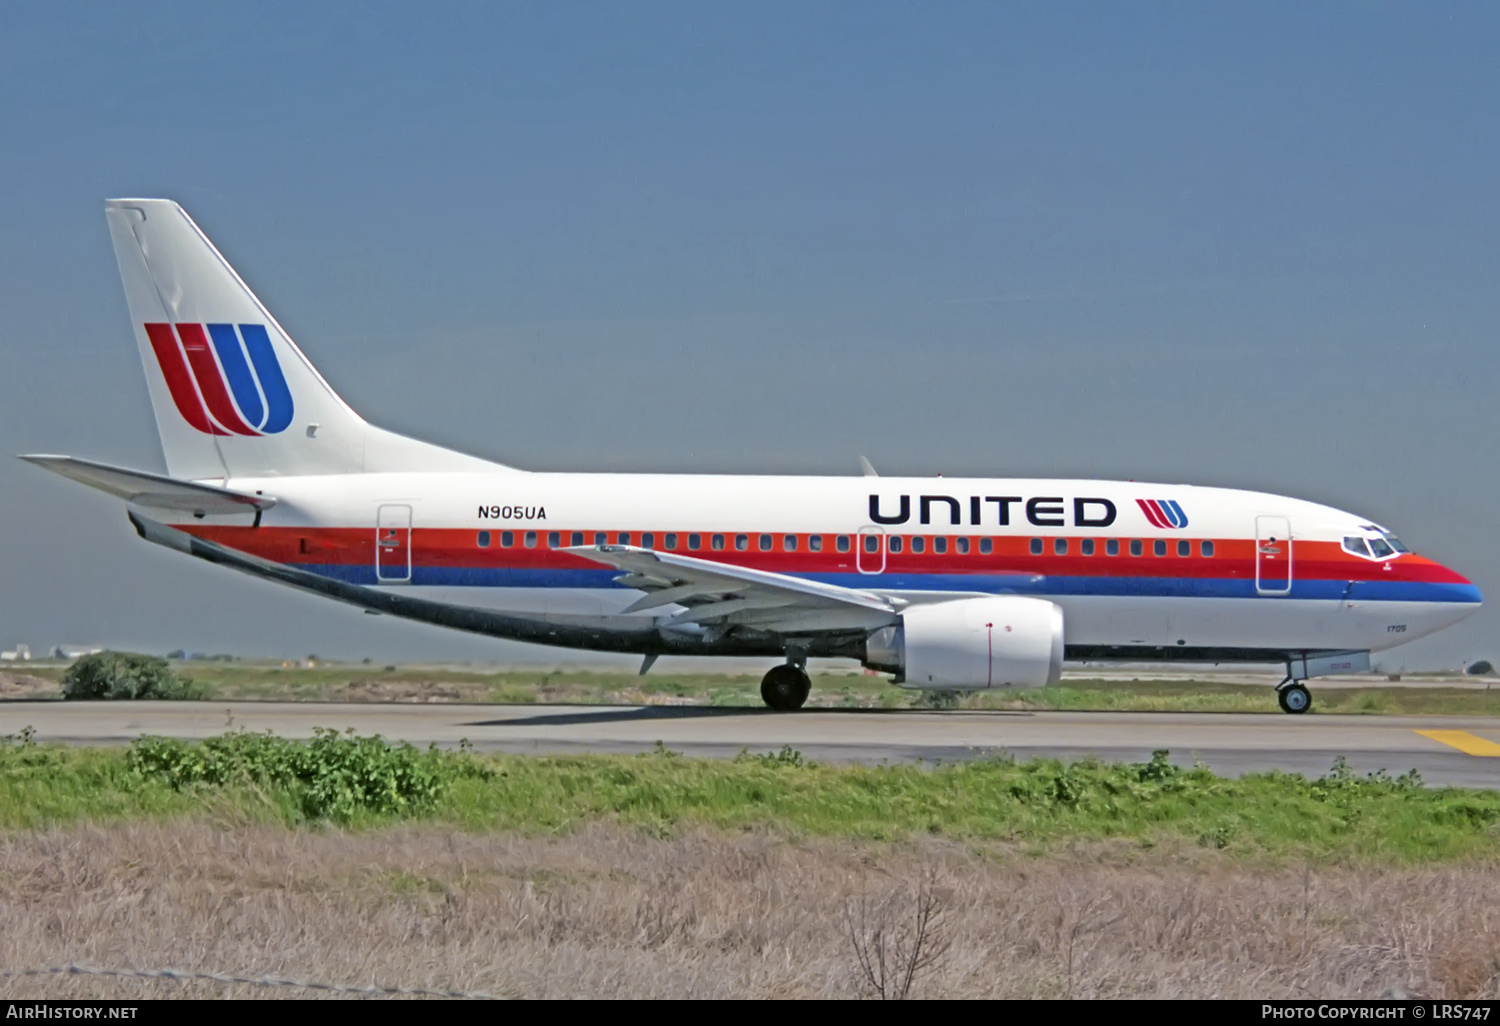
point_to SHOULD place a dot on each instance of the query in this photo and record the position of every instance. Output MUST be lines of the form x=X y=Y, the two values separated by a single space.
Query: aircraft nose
x=1473 y=598
x=1461 y=592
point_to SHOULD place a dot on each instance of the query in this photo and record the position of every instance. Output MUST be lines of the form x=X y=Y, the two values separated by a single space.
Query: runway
x=1445 y=750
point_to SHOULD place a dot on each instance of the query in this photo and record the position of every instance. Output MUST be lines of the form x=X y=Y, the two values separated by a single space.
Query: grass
x=351 y=861
x=611 y=912
x=1037 y=805
x=231 y=681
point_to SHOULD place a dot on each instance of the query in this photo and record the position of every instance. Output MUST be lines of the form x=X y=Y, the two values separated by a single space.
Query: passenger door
x=1273 y=556
x=393 y=544
x=869 y=551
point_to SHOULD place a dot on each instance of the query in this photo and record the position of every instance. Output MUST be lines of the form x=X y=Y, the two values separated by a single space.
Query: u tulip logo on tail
x=224 y=381
x=1163 y=513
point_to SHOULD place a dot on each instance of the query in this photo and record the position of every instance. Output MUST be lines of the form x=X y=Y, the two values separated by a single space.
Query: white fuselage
x=1127 y=562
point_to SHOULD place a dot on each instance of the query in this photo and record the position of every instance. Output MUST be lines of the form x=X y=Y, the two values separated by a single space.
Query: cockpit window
x=1383 y=545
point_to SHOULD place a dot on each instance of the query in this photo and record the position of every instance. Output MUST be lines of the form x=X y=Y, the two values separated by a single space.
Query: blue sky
x=1248 y=245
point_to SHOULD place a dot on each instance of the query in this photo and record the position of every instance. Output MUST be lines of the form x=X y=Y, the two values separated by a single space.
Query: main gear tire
x=1294 y=699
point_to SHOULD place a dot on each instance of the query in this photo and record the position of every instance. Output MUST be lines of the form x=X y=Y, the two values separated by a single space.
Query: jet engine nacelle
x=1005 y=641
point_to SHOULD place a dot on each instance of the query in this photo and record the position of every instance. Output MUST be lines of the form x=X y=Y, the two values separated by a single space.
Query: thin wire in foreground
x=183 y=976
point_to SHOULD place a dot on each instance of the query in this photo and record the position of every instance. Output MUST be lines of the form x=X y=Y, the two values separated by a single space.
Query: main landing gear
x=1293 y=696
x=785 y=687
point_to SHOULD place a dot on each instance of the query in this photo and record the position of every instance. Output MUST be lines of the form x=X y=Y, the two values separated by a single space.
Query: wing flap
x=680 y=594
x=715 y=592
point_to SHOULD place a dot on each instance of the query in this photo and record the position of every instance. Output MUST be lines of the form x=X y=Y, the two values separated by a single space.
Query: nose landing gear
x=1293 y=696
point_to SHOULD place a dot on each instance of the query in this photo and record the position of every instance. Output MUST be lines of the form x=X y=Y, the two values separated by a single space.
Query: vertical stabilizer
x=233 y=395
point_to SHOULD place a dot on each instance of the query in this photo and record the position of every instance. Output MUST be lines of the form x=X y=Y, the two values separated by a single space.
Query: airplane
x=947 y=584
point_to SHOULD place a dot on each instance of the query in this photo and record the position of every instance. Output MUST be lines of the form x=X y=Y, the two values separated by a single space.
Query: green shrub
x=366 y=781
x=334 y=776
x=124 y=675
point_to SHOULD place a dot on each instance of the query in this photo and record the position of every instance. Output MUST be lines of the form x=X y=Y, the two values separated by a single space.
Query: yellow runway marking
x=1471 y=744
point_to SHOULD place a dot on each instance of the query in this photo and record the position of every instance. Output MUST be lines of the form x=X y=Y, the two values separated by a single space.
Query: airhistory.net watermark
x=46 y=1010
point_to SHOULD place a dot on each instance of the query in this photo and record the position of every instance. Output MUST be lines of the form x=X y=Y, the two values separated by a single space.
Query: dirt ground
x=24 y=686
x=615 y=913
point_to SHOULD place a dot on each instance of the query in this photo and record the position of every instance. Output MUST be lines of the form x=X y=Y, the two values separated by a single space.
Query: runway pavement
x=1445 y=750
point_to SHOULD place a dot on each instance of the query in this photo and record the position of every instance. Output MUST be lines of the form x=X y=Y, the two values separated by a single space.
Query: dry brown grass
x=611 y=912
x=27 y=687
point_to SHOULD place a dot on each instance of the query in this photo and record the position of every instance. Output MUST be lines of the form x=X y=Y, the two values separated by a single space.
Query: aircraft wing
x=155 y=491
x=722 y=594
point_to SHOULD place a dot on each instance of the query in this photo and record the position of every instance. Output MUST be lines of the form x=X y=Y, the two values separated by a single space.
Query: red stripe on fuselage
x=211 y=380
x=179 y=378
x=1234 y=558
x=1153 y=513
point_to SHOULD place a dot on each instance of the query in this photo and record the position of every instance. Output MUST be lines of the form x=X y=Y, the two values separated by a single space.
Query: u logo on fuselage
x=223 y=380
x=1163 y=513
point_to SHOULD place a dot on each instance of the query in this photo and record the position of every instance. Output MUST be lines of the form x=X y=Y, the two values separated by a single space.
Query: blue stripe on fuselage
x=1016 y=584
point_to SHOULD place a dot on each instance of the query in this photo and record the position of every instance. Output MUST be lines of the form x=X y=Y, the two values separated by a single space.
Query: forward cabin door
x=393 y=544
x=1273 y=556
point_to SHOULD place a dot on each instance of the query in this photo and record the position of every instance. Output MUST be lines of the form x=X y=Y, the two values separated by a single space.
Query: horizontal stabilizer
x=153 y=491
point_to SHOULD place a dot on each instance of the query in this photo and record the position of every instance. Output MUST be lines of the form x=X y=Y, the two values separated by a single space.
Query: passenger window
x=1159 y=547
x=1060 y=546
x=940 y=545
x=1036 y=546
x=1135 y=546
x=554 y=540
x=986 y=546
x=648 y=540
x=1380 y=548
x=531 y=539
x=577 y=537
x=669 y=540
x=600 y=538
x=789 y=542
x=919 y=544
x=742 y=542
x=1207 y=548
x=843 y=543
x=717 y=542
x=872 y=543
x=963 y=545
x=1356 y=546
x=765 y=543
x=695 y=542
x=624 y=538
x=1112 y=547
x=1087 y=546
x=507 y=539
x=894 y=543
x=1184 y=548
x=815 y=543
x=484 y=539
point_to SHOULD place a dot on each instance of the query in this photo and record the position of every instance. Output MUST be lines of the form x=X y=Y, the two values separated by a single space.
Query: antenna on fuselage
x=869 y=470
